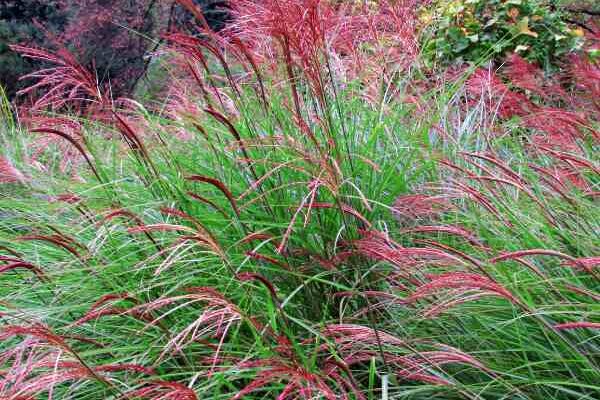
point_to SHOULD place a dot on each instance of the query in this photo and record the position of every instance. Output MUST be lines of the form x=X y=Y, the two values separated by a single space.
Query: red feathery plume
x=587 y=79
x=357 y=344
x=217 y=316
x=585 y=263
x=526 y=76
x=38 y=331
x=420 y=206
x=14 y=263
x=577 y=325
x=162 y=390
x=464 y=286
x=104 y=307
x=447 y=229
x=300 y=383
x=486 y=86
x=378 y=247
x=8 y=173
x=67 y=82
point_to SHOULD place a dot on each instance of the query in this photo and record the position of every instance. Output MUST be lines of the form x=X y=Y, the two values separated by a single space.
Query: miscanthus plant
x=301 y=218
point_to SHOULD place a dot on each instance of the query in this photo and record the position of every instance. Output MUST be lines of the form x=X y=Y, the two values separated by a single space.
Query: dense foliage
x=474 y=30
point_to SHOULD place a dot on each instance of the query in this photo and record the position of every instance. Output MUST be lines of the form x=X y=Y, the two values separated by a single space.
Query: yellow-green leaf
x=524 y=29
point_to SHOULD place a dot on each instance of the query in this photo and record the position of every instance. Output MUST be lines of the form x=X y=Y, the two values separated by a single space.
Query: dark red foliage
x=110 y=36
x=524 y=75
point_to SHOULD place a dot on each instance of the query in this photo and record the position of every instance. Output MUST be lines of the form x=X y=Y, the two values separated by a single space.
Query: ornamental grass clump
x=303 y=220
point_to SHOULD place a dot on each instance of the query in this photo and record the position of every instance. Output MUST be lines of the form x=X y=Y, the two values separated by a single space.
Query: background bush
x=17 y=26
x=472 y=30
x=113 y=37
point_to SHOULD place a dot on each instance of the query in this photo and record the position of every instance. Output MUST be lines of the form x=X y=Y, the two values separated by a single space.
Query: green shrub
x=473 y=30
